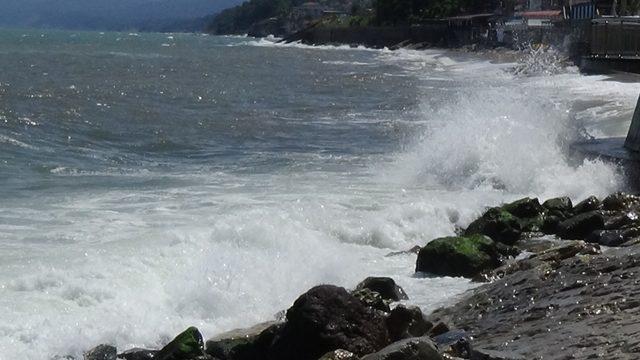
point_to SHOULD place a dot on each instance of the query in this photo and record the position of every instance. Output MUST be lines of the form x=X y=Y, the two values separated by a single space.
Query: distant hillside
x=152 y=15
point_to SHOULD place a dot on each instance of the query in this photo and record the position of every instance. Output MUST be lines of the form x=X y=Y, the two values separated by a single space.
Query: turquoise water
x=149 y=182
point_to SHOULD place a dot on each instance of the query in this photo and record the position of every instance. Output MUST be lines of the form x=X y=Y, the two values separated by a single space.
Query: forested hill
x=240 y=19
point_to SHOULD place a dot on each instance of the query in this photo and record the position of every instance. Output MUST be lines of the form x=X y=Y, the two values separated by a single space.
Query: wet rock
x=567 y=250
x=328 y=318
x=454 y=343
x=533 y=224
x=524 y=208
x=627 y=219
x=137 y=354
x=551 y=224
x=439 y=329
x=405 y=322
x=579 y=307
x=187 y=345
x=606 y=237
x=372 y=299
x=497 y=224
x=619 y=201
x=339 y=355
x=384 y=286
x=241 y=344
x=101 y=352
x=482 y=354
x=579 y=226
x=413 y=250
x=421 y=348
x=561 y=204
x=458 y=256
x=587 y=205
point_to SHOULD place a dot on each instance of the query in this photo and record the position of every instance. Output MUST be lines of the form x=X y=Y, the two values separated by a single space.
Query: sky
x=104 y=14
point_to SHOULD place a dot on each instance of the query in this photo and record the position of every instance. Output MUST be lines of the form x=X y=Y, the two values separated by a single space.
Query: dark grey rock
x=525 y=208
x=454 y=343
x=579 y=226
x=240 y=344
x=102 y=352
x=385 y=286
x=589 y=204
x=439 y=329
x=561 y=204
x=459 y=256
x=339 y=355
x=406 y=322
x=137 y=354
x=482 y=354
x=421 y=348
x=619 y=201
x=372 y=299
x=328 y=318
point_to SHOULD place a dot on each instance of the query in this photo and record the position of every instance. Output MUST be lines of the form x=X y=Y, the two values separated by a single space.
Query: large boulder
x=244 y=344
x=407 y=322
x=579 y=226
x=328 y=318
x=524 y=208
x=186 y=346
x=421 y=348
x=561 y=204
x=498 y=224
x=385 y=286
x=459 y=256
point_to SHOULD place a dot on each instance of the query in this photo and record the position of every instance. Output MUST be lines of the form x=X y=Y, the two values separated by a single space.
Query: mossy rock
x=498 y=224
x=459 y=256
x=186 y=346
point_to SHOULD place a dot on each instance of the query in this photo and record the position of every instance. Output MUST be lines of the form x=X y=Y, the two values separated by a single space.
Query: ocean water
x=150 y=182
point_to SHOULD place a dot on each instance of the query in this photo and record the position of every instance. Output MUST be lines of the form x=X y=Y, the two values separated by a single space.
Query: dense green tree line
x=394 y=12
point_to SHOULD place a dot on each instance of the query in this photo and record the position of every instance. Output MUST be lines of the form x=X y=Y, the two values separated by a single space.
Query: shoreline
x=559 y=283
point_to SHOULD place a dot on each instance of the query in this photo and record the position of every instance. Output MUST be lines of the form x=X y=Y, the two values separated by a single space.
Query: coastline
x=560 y=283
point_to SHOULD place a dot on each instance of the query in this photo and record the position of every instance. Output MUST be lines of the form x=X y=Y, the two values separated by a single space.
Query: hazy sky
x=103 y=13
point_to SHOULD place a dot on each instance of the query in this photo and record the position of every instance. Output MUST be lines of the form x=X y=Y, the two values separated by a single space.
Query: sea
x=151 y=182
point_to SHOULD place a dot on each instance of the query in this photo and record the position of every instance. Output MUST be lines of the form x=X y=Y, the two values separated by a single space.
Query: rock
x=497 y=224
x=243 y=343
x=372 y=299
x=567 y=250
x=138 y=354
x=482 y=354
x=589 y=204
x=619 y=201
x=628 y=219
x=186 y=346
x=579 y=226
x=561 y=204
x=533 y=224
x=421 y=348
x=413 y=250
x=439 y=329
x=606 y=237
x=102 y=352
x=406 y=322
x=384 y=286
x=339 y=355
x=328 y=318
x=524 y=208
x=458 y=256
x=454 y=343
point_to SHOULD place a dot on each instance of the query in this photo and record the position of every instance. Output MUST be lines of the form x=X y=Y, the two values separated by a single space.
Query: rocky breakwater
x=561 y=283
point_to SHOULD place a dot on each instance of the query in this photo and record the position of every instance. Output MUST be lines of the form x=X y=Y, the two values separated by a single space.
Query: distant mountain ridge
x=151 y=15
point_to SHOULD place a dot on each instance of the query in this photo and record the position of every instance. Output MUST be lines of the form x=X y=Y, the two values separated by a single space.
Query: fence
x=615 y=38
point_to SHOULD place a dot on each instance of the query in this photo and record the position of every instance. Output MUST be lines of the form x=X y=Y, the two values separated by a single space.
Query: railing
x=615 y=38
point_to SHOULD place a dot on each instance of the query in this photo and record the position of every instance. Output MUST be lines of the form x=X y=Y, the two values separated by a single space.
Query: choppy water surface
x=150 y=182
